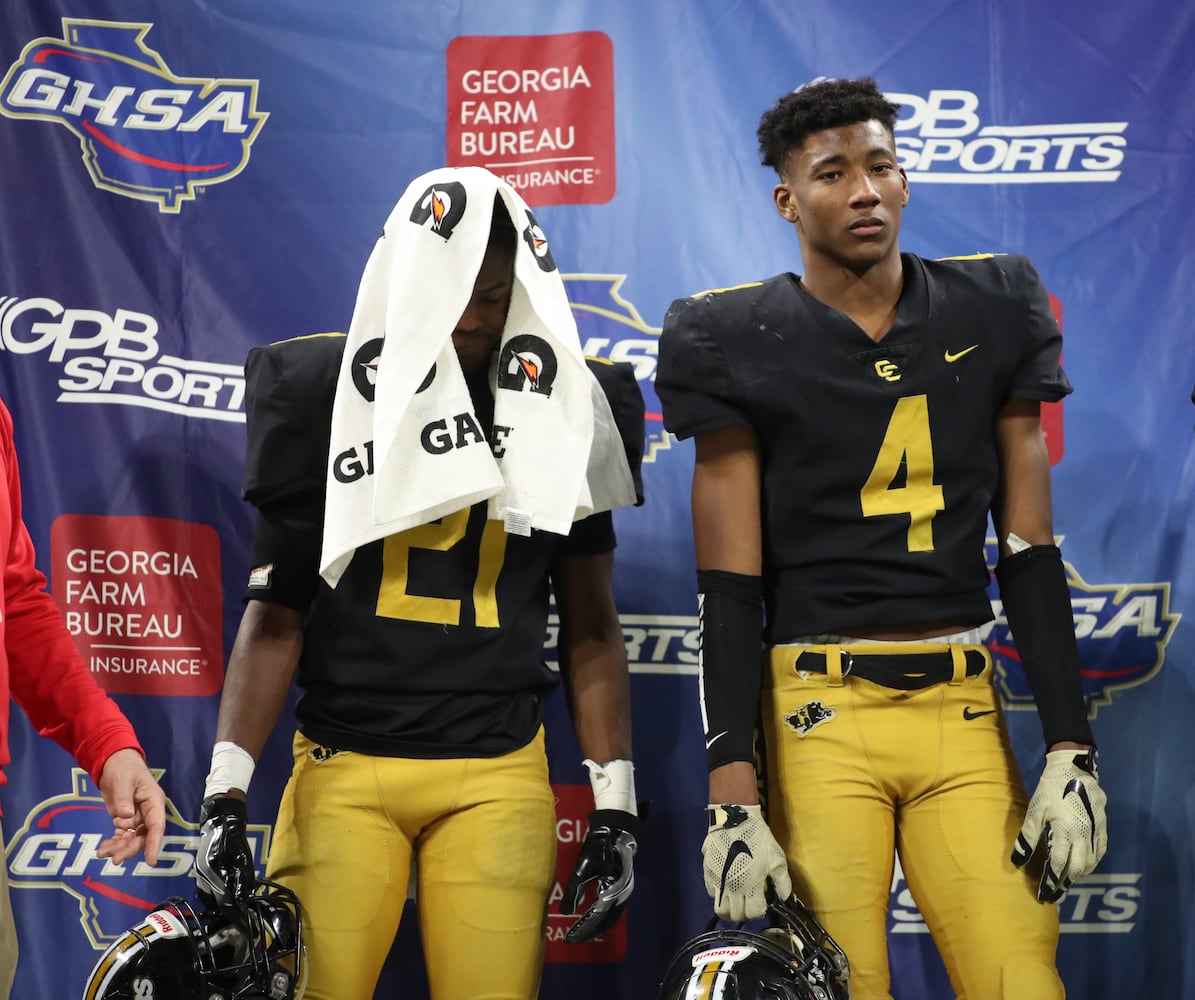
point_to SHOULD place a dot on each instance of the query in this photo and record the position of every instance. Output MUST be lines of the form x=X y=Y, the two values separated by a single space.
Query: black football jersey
x=879 y=459
x=432 y=642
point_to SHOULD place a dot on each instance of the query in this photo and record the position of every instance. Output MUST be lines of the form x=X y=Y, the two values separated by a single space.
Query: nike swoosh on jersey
x=1075 y=787
x=969 y=715
x=739 y=847
x=710 y=743
x=954 y=357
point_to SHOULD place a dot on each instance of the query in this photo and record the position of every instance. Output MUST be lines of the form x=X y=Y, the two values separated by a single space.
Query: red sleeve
x=47 y=676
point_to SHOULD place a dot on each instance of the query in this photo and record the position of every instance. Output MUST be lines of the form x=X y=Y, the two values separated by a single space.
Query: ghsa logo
x=610 y=327
x=1122 y=628
x=55 y=848
x=145 y=132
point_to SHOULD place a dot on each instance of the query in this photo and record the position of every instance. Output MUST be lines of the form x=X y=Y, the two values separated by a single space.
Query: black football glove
x=224 y=870
x=605 y=858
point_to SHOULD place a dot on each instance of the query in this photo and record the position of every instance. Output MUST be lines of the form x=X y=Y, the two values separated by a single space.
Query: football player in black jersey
x=419 y=738
x=855 y=425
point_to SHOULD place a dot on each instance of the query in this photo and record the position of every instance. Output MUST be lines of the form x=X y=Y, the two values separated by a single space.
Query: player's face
x=845 y=191
x=479 y=330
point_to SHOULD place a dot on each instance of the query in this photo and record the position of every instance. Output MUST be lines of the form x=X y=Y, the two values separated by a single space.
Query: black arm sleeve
x=730 y=664
x=1037 y=603
x=285 y=561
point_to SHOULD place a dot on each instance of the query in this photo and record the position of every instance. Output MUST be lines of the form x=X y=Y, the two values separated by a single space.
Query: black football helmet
x=791 y=959
x=250 y=951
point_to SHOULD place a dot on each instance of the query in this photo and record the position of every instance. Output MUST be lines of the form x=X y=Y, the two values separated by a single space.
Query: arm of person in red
x=49 y=680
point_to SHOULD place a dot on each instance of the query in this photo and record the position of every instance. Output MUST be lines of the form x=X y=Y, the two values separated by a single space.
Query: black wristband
x=731 y=663
x=1037 y=604
x=615 y=819
x=223 y=805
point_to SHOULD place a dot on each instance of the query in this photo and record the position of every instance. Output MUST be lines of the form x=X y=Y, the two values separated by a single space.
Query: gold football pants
x=856 y=769
x=483 y=834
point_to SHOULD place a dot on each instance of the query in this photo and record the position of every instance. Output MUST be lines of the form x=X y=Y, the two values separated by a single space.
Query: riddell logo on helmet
x=55 y=848
x=941 y=138
x=145 y=132
x=725 y=956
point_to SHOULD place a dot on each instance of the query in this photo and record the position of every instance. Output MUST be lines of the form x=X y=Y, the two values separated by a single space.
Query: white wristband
x=613 y=785
x=232 y=767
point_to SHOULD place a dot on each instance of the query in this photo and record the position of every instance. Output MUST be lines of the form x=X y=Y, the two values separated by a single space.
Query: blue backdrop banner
x=184 y=181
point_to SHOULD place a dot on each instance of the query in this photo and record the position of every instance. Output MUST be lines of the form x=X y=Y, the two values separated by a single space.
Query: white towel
x=560 y=460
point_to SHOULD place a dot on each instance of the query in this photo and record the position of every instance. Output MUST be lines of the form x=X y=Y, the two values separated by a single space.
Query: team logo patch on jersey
x=534 y=237
x=145 y=132
x=440 y=208
x=528 y=364
x=889 y=371
x=364 y=368
x=1123 y=630
x=808 y=717
x=55 y=848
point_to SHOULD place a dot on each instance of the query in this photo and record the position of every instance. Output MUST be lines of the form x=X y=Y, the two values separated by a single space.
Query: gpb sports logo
x=942 y=139
x=145 y=132
x=1122 y=629
x=114 y=358
x=610 y=327
x=55 y=848
x=1103 y=903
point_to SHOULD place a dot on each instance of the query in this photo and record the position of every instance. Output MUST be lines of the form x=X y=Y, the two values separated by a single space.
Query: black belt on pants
x=903 y=671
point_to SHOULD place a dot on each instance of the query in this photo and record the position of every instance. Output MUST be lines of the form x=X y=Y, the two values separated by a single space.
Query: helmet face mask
x=250 y=951
x=791 y=959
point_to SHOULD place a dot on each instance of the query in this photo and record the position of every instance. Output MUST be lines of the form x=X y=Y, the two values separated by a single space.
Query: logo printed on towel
x=365 y=367
x=538 y=242
x=527 y=363
x=441 y=208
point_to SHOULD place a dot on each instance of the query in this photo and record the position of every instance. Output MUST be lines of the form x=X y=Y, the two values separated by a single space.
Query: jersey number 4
x=902 y=479
x=394 y=600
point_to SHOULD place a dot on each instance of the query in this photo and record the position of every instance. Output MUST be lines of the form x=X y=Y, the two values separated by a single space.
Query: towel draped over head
x=402 y=404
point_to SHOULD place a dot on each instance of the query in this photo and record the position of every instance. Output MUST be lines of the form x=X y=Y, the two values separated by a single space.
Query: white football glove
x=1068 y=810
x=739 y=856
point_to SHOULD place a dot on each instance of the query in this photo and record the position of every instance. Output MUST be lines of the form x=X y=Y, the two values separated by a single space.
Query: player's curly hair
x=817 y=106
